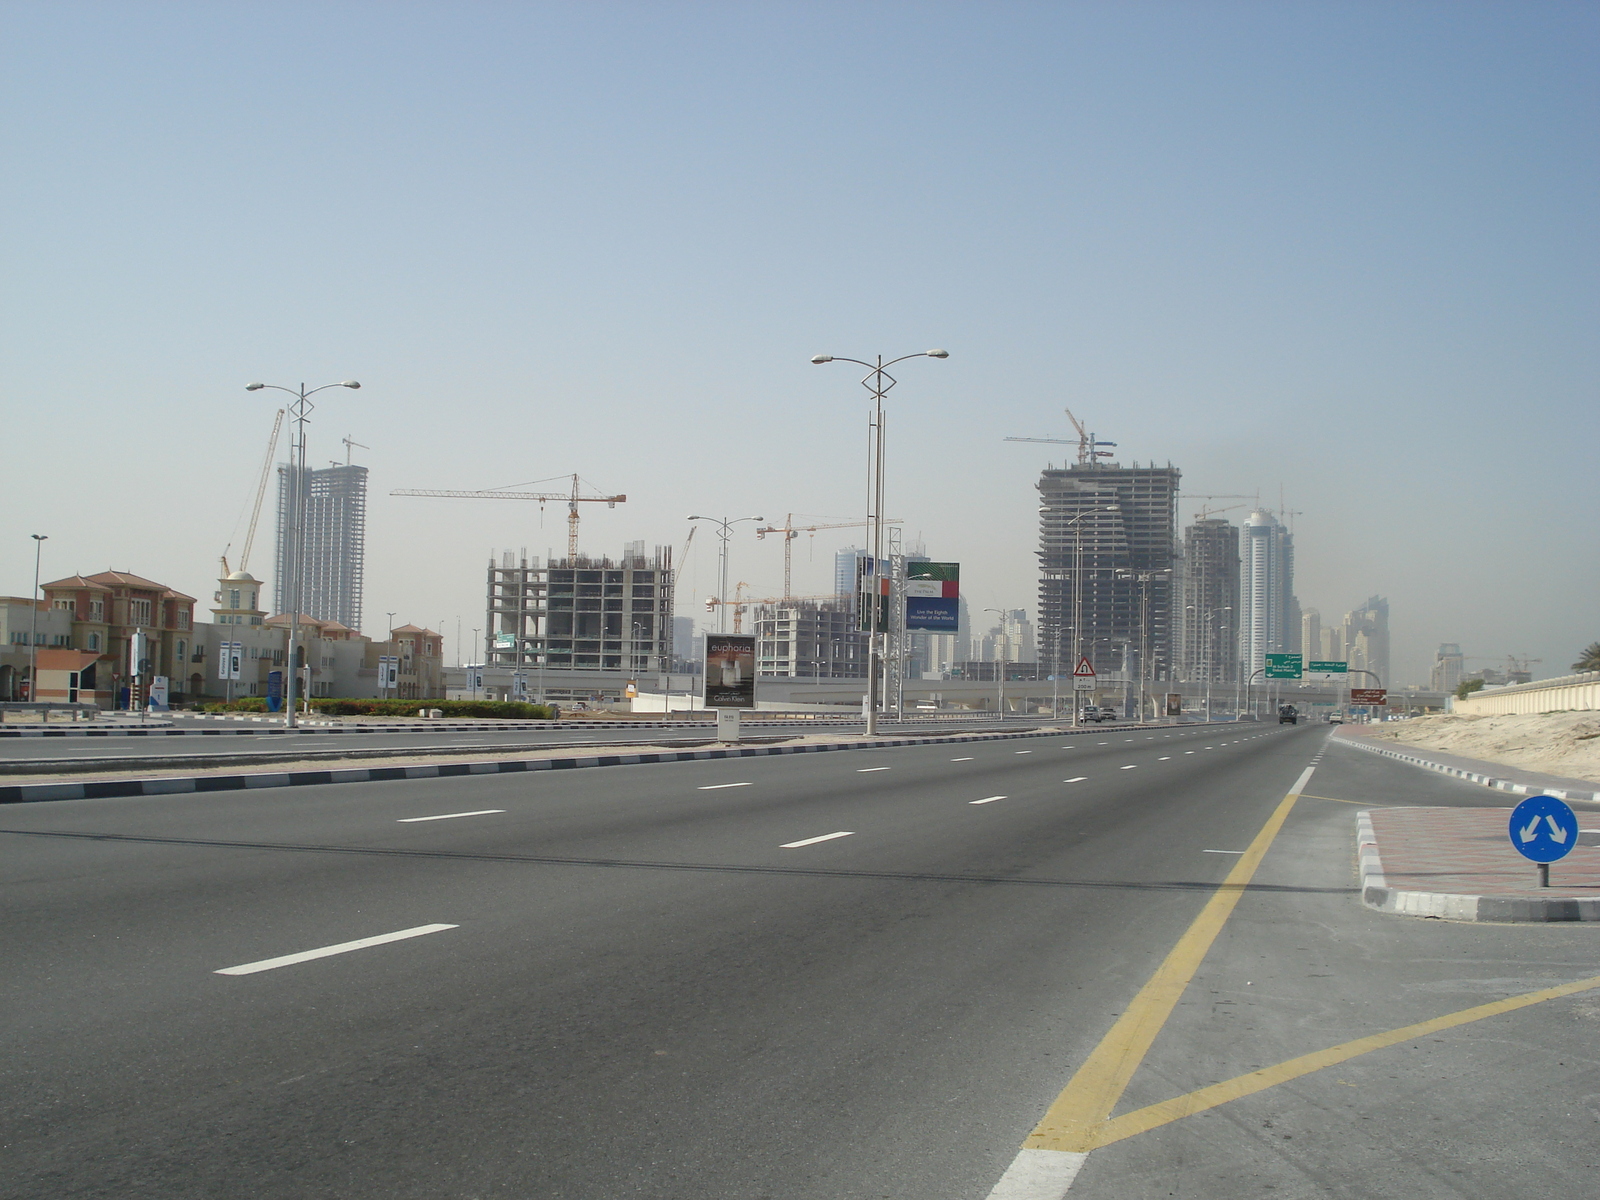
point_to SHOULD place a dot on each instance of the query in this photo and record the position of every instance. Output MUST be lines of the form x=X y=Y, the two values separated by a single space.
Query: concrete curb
x=1456 y=906
x=1504 y=785
x=28 y=793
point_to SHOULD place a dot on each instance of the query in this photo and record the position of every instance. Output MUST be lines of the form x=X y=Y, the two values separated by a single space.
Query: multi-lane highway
x=833 y=976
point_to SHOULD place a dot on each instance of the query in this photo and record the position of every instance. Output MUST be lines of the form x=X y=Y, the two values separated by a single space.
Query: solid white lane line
x=711 y=787
x=865 y=770
x=287 y=960
x=986 y=800
x=482 y=812
x=1075 y=779
x=966 y=759
x=827 y=837
x=1222 y=852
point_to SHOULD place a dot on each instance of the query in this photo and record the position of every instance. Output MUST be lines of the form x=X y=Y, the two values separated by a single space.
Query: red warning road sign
x=1084 y=667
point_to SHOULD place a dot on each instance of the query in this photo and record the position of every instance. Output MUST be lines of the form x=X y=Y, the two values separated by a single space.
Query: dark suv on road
x=1287 y=715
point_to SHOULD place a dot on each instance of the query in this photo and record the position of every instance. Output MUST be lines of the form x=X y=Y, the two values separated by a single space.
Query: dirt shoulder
x=1563 y=743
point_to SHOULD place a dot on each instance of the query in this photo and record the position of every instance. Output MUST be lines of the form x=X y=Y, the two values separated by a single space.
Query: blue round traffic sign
x=1543 y=829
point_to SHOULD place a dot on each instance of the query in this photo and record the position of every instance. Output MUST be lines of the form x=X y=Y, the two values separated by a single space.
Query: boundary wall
x=1562 y=694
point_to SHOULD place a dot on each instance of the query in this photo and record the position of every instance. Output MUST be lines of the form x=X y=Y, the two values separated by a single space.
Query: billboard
x=1174 y=704
x=1369 y=696
x=730 y=680
x=864 y=588
x=933 y=596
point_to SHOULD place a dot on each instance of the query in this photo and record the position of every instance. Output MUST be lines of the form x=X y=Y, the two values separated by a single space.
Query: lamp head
x=350 y=383
x=938 y=354
x=254 y=387
x=40 y=537
x=819 y=359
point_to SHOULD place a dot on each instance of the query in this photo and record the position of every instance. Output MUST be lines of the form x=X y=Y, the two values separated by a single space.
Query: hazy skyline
x=1344 y=253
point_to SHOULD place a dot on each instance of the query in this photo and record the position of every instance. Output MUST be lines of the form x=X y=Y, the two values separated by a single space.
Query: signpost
x=1282 y=666
x=1083 y=676
x=1327 y=667
x=388 y=672
x=1377 y=697
x=1543 y=829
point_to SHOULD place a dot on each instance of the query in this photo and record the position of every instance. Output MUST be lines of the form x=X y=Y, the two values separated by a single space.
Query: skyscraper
x=335 y=507
x=1107 y=549
x=1266 y=592
x=1366 y=639
x=1209 y=623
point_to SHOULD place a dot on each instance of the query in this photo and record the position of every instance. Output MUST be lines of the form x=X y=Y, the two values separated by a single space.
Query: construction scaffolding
x=581 y=614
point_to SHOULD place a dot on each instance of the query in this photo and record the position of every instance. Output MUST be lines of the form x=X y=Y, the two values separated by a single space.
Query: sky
x=1338 y=255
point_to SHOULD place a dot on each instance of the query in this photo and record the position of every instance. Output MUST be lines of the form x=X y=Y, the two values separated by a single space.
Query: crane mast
x=261 y=493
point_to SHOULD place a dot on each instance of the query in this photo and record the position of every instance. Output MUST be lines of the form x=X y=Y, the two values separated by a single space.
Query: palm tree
x=1588 y=658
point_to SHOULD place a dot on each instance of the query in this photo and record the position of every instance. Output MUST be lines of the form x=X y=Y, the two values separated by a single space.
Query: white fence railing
x=1561 y=694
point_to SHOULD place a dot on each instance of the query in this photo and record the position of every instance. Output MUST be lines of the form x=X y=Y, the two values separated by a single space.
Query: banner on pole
x=933 y=597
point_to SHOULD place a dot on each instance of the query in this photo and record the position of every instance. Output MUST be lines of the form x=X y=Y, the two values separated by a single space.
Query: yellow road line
x=1338 y=800
x=1073 y=1120
x=1145 y=1119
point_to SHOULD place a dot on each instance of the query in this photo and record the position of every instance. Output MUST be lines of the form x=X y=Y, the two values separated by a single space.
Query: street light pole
x=724 y=527
x=878 y=381
x=1000 y=672
x=298 y=412
x=1077 y=599
x=39 y=539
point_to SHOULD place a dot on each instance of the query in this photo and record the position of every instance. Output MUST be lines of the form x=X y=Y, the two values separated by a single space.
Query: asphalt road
x=832 y=977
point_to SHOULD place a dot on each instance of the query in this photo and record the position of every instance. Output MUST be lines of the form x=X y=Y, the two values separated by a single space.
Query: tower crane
x=791 y=531
x=573 y=499
x=261 y=492
x=349 y=442
x=1088 y=443
x=1206 y=510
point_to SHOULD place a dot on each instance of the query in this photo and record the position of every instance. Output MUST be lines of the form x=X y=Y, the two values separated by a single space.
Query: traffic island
x=1458 y=864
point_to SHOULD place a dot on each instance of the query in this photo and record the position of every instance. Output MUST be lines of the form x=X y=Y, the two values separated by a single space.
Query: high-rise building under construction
x=334 y=504
x=1208 y=622
x=1107 y=553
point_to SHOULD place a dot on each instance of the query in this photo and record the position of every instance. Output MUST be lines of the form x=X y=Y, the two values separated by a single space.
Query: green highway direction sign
x=1319 y=667
x=1283 y=666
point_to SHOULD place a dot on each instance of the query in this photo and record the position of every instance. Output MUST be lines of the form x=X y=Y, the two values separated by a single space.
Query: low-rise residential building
x=106 y=610
x=25 y=624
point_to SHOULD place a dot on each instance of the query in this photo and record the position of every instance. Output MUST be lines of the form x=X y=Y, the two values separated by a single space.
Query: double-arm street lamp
x=878 y=381
x=298 y=412
x=724 y=527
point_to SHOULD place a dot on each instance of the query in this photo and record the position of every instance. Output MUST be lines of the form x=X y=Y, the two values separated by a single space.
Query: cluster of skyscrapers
x=1120 y=587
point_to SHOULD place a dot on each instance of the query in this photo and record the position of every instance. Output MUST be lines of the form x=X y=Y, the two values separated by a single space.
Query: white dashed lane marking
x=827 y=837
x=986 y=800
x=482 y=812
x=288 y=960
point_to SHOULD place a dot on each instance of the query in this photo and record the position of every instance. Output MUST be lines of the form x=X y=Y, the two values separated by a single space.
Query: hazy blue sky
x=1346 y=250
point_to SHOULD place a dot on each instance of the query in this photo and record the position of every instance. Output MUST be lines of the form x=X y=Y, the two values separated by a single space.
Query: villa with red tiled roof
x=106 y=610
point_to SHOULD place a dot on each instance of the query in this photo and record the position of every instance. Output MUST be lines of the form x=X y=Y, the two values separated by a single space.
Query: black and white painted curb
x=166 y=729
x=101 y=789
x=1504 y=785
x=1454 y=906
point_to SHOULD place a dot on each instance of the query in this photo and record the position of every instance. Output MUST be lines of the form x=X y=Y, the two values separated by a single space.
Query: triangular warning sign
x=1083 y=667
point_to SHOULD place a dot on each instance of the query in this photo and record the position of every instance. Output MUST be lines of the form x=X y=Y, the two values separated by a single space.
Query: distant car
x=1336 y=720
x=1096 y=712
x=1287 y=715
